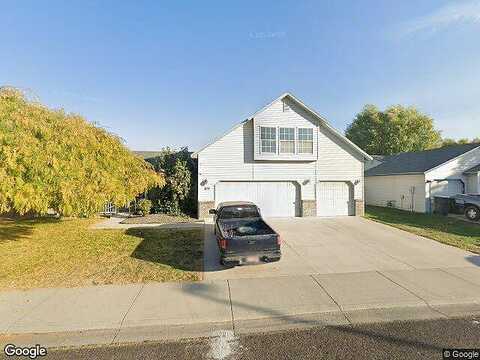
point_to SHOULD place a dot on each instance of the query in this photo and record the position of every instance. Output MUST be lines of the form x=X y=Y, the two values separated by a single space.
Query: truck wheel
x=472 y=213
x=227 y=263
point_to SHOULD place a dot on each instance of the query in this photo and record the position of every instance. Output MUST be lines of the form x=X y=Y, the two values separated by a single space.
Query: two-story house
x=288 y=160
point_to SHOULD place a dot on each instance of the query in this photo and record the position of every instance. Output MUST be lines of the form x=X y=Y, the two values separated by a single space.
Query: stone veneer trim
x=203 y=207
x=359 y=208
x=309 y=208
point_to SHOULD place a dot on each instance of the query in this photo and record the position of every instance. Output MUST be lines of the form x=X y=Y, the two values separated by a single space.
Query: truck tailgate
x=252 y=244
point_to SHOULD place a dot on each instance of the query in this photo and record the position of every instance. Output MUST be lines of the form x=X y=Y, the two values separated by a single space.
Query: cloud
x=458 y=12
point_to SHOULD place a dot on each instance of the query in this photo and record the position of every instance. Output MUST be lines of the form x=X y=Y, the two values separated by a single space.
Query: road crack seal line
x=126 y=313
x=331 y=297
x=231 y=306
x=416 y=295
x=445 y=270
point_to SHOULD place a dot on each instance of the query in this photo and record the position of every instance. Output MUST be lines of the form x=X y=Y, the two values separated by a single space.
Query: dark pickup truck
x=243 y=236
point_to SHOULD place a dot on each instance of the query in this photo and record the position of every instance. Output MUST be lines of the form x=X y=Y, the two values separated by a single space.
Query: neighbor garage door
x=273 y=198
x=334 y=199
x=446 y=187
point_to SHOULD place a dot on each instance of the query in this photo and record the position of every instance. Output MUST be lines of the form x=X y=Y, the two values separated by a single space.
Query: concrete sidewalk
x=115 y=222
x=156 y=311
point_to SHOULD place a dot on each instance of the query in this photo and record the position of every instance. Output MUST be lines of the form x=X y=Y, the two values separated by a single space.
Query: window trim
x=273 y=141
x=280 y=140
x=304 y=141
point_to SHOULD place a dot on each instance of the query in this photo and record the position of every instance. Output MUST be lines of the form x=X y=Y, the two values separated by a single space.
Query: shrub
x=144 y=206
x=178 y=195
x=54 y=160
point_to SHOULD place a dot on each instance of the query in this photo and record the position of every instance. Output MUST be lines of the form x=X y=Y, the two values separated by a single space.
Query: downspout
x=429 y=182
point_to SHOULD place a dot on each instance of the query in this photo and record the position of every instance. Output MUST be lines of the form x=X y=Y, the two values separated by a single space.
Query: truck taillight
x=223 y=243
x=279 y=240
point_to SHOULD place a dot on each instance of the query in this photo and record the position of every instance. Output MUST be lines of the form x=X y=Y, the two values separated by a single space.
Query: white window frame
x=304 y=141
x=286 y=107
x=273 y=141
x=292 y=140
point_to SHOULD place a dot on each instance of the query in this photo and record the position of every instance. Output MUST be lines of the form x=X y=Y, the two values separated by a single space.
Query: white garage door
x=446 y=188
x=334 y=199
x=273 y=198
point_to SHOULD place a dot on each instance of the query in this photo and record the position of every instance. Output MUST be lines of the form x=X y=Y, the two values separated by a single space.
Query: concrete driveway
x=340 y=245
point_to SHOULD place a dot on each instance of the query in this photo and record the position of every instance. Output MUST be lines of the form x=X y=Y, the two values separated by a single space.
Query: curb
x=164 y=333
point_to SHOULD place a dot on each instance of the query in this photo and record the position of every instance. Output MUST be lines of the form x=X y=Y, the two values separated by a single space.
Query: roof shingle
x=418 y=162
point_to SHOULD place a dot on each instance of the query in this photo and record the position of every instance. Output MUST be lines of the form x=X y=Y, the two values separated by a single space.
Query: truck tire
x=472 y=213
x=228 y=264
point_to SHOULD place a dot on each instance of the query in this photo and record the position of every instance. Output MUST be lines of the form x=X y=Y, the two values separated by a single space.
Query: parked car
x=243 y=236
x=469 y=204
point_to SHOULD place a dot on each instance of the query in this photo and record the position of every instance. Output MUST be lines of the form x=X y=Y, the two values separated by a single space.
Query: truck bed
x=248 y=240
x=249 y=227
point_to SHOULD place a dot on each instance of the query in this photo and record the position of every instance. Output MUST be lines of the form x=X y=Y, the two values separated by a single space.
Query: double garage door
x=280 y=199
x=273 y=198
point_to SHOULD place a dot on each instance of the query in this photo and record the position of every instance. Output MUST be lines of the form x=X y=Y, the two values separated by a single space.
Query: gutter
x=396 y=174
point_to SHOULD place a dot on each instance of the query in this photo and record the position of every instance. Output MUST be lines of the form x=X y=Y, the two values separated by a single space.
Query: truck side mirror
x=212 y=211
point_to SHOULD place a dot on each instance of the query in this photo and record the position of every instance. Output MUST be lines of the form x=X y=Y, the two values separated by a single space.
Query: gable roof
x=474 y=170
x=418 y=162
x=320 y=119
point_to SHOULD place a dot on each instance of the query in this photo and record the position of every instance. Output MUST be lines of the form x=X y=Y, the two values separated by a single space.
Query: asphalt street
x=399 y=340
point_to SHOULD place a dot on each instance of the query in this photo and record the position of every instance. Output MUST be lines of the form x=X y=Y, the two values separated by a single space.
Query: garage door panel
x=446 y=188
x=273 y=198
x=334 y=199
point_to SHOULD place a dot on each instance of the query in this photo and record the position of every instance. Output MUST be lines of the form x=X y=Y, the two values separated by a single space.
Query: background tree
x=397 y=129
x=450 y=142
x=179 y=193
x=54 y=160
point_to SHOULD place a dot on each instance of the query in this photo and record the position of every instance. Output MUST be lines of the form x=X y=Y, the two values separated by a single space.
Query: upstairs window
x=305 y=141
x=268 y=138
x=287 y=140
x=285 y=107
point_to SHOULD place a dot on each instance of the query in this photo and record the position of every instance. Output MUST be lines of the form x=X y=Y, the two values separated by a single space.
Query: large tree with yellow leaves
x=50 y=159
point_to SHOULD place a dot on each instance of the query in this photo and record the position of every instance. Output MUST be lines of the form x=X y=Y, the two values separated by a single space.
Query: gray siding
x=473 y=184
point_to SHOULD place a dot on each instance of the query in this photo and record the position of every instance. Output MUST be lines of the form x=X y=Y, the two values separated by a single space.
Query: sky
x=181 y=73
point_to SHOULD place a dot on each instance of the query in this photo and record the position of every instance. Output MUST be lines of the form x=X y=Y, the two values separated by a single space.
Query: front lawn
x=441 y=228
x=67 y=253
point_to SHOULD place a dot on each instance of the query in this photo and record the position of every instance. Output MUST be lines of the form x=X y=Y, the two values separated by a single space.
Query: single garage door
x=334 y=199
x=273 y=198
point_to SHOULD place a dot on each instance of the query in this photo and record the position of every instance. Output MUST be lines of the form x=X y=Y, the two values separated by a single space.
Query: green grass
x=440 y=228
x=67 y=253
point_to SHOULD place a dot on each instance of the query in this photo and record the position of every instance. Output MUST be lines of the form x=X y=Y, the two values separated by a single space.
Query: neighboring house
x=410 y=181
x=376 y=160
x=472 y=181
x=288 y=160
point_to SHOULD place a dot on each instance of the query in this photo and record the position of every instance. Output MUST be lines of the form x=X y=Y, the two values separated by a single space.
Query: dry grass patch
x=160 y=219
x=67 y=253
